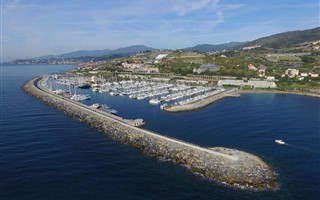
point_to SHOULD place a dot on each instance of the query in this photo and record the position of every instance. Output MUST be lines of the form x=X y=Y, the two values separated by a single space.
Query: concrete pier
x=223 y=165
x=203 y=102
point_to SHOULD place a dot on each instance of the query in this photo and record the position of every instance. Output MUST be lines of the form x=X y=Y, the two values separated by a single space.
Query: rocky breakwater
x=223 y=165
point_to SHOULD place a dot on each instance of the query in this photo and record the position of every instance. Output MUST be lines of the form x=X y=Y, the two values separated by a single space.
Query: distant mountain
x=287 y=39
x=131 y=49
x=213 y=47
x=99 y=53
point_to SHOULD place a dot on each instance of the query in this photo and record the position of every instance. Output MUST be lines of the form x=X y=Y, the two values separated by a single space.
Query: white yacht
x=154 y=101
x=96 y=105
x=80 y=97
x=95 y=89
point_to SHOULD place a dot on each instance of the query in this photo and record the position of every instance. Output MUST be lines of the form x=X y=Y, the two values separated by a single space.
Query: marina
x=171 y=96
x=237 y=168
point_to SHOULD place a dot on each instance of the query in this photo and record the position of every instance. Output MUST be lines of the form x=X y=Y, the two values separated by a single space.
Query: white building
x=132 y=65
x=148 y=70
x=255 y=84
x=270 y=78
x=292 y=72
x=252 y=67
x=161 y=56
x=192 y=81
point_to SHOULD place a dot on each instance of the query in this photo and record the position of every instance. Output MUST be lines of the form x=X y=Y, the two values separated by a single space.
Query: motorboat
x=80 y=97
x=96 y=106
x=107 y=109
x=154 y=101
x=112 y=111
x=83 y=85
x=163 y=106
x=279 y=142
x=95 y=89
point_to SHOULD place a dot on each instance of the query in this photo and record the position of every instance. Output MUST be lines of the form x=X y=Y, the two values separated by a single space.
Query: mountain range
x=99 y=53
x=277 y=41
x=213 y=47
x=287 y=39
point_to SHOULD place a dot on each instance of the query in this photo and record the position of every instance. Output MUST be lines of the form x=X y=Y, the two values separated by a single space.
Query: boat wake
x=304 y=149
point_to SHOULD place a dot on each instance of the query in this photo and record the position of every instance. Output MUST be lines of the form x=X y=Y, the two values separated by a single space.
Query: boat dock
x=41 y=84
x=202 y=102
x=223 y=165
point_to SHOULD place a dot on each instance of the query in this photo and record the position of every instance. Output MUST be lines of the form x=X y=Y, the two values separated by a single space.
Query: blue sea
x=45 y=154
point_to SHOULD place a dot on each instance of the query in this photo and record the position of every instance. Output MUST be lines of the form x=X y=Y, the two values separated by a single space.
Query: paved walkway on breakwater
x=223 y=165
x=203 y=102
x=39 y=83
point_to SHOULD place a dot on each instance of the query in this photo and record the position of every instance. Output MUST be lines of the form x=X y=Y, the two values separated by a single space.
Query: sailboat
x=79 y=97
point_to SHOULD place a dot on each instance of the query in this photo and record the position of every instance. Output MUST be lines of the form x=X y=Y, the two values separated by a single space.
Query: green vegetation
x=297 y=85
x=276 y=54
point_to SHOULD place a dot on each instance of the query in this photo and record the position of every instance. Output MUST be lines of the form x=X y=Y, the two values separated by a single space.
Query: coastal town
x=248 y=68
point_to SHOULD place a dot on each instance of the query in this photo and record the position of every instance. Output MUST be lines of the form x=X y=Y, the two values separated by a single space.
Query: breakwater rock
x=223 y=165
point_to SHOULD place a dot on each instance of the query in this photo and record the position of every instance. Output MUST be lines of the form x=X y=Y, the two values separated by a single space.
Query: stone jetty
x=203 y=102
x=223 y=165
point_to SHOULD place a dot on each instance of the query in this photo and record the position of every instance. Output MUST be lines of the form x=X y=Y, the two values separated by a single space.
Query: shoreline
x=260 y=91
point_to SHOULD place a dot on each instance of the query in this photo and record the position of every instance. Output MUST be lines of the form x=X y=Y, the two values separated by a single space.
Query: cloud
x=231 y=6
x=33 y=27
x=185 y=7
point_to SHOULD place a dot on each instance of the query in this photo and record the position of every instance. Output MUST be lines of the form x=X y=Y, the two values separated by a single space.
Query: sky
x=31 y=28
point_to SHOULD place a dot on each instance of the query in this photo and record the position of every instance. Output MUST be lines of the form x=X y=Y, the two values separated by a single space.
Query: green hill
x=287 y=39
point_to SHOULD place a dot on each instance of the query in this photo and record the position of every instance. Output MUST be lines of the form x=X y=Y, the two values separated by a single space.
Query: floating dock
x=223 y=165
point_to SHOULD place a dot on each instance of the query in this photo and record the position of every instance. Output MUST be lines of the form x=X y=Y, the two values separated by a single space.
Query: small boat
x=96 y=106
x=95 y=89
x=80 y=97
x=59 y=91
x=154 y=101
x=163 y=106
x=279 y=141
x=83 y=85
x=112 y=111
x=107 y=109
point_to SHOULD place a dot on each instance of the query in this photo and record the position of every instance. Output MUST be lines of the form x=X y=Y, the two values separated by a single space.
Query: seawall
x=223 y=165
x=202 y=103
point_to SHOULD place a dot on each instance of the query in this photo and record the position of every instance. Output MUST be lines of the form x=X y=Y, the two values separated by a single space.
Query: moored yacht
x=80 y=97
x=154 y=101
x=96 y=105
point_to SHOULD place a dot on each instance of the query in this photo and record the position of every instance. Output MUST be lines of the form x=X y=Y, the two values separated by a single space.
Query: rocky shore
x=202 y=103
x=223 y=165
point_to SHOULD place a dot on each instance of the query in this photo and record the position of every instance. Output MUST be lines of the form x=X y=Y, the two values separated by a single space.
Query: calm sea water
x=48 y=155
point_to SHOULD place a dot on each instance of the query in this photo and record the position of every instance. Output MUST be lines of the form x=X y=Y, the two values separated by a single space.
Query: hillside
x=99 y=53
x=287 y=39
x=213 y=47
